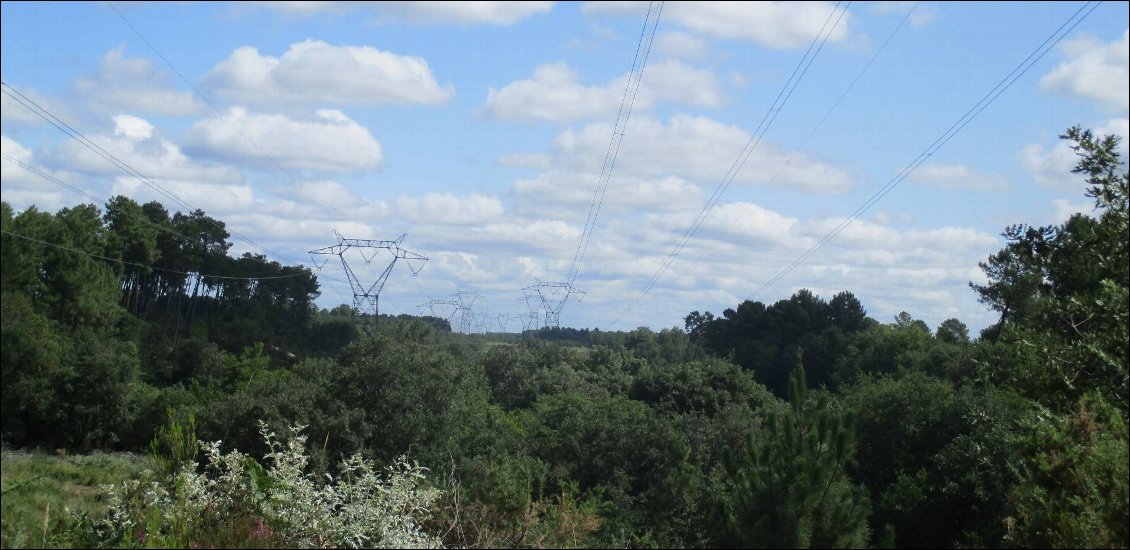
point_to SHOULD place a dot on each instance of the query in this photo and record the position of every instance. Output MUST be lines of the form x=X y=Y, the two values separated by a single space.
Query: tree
x=952 y=331
x=792 y=490
x=1062 y=292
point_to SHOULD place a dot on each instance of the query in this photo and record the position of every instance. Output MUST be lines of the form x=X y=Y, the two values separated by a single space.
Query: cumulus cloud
x=135 y=142
x=21 y=188
x=777 y=25
x=1051 y=165
x=700 y=150
x=1065 y=209
x=446 y=208
x=331 y=142
x=1094 y=71
x=748 y=221
x=554 y=94
x=921 y=16
x=13 y=112
x=462 y=13
x=324 y=193
x=562 y=191
x=956 y=176
x=134 y=84
x=316 y=72
x=681 y=44
x=12 y=149
x=213 y=198
x=465 y=12
x=525 y=160
x=676 y=81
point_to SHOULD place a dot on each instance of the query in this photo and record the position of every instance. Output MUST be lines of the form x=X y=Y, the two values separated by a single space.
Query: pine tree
x=791 y=487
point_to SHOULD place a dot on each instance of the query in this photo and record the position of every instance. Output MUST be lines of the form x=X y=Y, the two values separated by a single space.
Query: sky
x=662 y=158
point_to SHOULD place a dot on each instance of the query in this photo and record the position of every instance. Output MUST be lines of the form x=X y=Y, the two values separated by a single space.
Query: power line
x=123 y=262
x=100 y=200
x=944 y=138
x=97 y=199
x=204 y=98
x=770 y=116
x=50 y=118
x=827 y=114
x=616 y=139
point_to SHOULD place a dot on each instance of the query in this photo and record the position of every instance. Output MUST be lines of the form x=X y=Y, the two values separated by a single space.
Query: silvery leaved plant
x=363 y=507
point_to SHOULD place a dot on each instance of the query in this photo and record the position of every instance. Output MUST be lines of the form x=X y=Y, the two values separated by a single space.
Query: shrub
x=237 y=502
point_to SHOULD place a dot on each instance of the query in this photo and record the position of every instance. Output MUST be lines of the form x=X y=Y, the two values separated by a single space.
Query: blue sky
x=480 y=129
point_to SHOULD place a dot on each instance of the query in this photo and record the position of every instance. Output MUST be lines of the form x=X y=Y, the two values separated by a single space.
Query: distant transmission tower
x=367 y=298
x=553 y=297
x=467 y=299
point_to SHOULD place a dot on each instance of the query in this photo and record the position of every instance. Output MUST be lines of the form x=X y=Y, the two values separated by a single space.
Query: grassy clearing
x=38 y=488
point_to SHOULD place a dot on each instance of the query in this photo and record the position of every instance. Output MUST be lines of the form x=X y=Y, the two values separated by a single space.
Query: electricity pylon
x=553 y=297
x=439 y=312
x=364 y=297
x=466 y=299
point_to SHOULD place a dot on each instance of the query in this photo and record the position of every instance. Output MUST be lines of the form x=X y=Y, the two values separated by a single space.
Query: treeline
x=802 y=423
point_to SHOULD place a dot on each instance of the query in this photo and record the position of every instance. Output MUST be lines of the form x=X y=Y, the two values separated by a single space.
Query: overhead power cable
x=627 y=102
x=63 y=127
x=102 y=201
x=991 y=96
x=778 y=104
x=206 y=100
x=788 y=160
x=123 y=262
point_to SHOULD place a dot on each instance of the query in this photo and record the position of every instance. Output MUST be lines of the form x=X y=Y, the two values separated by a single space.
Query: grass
x=38 y=488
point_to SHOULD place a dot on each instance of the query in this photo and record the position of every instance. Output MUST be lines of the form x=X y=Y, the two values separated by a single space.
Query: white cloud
x=681 y=44
x=465 y=12
x=462 y=13
x=526 y=160
x=316 y=72
x=700 y=150
x=1051 y=166
x=134 y=84
x=332 y=142
x=554 y=94
x=1094 y=71
x=772 y=24
x=21 y=188
x=13 y=112
x=564 y=192
x=956 y=176
x=9 y=147
x=676 y=81
x=1065 y=209
x=132 y=127
x=322 y=193
x=750 y=221
x=446 y=208
x=135 y=142
x=923 y=14
x=213 y=198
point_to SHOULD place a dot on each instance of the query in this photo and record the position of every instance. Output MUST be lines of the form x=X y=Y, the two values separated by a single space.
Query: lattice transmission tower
x=552 y=297
x=366 y=298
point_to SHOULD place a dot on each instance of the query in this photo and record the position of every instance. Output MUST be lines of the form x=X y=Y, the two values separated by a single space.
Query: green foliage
x=791 y=488
x=1072 y=491
x=1062 y=293
x=40 y=492
x=233 y=505
x=174 y=446
x=707 y=386
x=763 y=339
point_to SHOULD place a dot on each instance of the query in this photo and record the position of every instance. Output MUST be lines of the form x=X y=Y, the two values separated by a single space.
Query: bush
x=238 y=503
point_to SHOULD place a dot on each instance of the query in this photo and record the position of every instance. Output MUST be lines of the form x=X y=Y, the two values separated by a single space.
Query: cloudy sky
x=663 y=158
